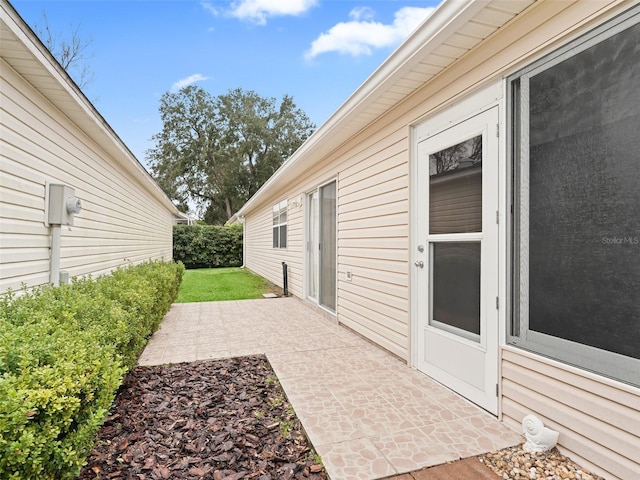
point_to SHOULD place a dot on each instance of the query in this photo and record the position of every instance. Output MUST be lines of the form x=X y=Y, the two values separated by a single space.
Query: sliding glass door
x=313 y=252
x=321 y=246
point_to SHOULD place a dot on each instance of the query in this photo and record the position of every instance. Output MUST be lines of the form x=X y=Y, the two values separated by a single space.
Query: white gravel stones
x=515 y=463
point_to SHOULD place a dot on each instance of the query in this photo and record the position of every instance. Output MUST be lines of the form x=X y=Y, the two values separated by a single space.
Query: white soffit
x=449 y=33
x=21 y=49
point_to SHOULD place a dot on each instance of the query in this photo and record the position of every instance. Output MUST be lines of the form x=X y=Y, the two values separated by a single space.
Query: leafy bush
x=208 y=246
x=63 y=353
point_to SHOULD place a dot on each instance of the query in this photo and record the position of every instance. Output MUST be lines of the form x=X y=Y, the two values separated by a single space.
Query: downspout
x=244 y=239
x=285 y=279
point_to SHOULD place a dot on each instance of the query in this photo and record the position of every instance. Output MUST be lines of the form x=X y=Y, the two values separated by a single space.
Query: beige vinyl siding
x=373 y=176
x=121 y=222
x=260 y=256
x=373 y=242
x=265 y=260
x=598 y=419
x=455 y=206
x=373 y=211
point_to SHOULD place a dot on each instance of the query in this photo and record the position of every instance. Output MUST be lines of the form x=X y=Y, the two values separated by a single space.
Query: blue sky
x=318 y=51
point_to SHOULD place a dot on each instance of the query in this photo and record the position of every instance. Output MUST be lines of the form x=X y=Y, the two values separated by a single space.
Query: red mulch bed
x=221 y=420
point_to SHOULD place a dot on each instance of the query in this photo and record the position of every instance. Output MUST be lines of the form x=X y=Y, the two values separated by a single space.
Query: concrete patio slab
x=367 y=414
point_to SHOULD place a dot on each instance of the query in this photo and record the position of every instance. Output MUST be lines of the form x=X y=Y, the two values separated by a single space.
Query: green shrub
x=208 y=246
x=63 y=354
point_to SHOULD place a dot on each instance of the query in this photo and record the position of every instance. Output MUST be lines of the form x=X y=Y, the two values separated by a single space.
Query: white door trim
x=484 y=99
x=419 y=197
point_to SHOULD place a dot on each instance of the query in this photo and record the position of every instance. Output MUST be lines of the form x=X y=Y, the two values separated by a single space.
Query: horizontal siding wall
x=120 y=222
x=266 y=261
x=260 y=256
x=373 y=241
x=373 y=179
x=373 y=237
x=598 y=420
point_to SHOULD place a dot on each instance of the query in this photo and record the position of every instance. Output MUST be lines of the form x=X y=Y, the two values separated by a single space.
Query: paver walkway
x=367 y=414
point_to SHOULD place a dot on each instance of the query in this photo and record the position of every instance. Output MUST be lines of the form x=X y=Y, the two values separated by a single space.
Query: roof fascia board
x=14 y=22
x=30 y=40
x=445 y=20
x=448 y=17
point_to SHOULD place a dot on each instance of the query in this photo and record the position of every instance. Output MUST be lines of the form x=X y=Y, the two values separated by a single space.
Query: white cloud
x=210 y=8
x=360 y=35
x=362 y=13
x=259 y=10
x=185 y=82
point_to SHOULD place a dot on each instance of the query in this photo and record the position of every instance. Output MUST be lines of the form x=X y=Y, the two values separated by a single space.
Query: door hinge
x=497 y=303
x=497 y=130
x=497 y=217
x=497 y=390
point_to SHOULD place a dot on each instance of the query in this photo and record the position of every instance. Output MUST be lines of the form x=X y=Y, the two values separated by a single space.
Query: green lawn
x=216 y=284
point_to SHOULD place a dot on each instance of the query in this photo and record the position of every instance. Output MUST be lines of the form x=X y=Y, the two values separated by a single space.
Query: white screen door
x=456 y=258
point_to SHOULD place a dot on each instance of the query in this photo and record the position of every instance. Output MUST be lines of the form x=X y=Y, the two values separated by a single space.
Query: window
x=455 y=188
x=576 y=190
x=280 y=225
x=455 y=207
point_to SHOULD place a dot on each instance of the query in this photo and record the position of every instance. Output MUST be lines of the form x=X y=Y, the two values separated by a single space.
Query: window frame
x=602 y=362
x=279 y=211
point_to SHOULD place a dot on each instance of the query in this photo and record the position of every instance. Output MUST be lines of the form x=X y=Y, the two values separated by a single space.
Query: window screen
x=456 y=285
x=577 y=163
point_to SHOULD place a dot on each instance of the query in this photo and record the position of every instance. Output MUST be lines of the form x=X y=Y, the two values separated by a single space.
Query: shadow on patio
x=366 y=413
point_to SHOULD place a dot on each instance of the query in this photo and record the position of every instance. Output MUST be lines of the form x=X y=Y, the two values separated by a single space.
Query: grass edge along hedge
x=63 y=355
x=208 y=246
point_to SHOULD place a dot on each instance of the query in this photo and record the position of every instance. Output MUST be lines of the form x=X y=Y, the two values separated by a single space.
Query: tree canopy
x=215 y=152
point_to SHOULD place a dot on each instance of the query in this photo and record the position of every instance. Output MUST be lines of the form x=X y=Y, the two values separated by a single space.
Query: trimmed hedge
x=63 y=354
x=208 y=246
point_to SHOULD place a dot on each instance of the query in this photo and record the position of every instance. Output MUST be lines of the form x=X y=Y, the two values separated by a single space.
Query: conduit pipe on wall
x=54 y=274
x=62 y=205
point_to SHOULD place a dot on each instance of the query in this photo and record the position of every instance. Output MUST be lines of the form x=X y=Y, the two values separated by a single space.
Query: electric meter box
x=63 y=204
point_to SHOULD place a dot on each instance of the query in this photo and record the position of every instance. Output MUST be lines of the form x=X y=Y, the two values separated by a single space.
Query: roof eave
x=444 y=21
x=86 y=117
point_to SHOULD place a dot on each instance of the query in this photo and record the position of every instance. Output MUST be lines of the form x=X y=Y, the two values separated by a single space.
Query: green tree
x=215 y=152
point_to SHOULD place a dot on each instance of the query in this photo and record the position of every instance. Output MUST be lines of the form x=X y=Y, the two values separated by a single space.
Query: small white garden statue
x=539 y=438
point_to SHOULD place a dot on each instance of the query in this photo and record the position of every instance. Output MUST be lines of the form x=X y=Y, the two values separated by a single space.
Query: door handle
x=419 y=263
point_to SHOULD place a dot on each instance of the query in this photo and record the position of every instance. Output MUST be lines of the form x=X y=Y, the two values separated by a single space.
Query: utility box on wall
x=63 y=204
